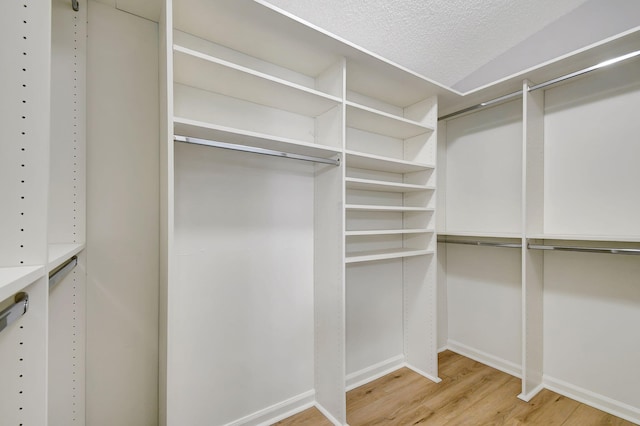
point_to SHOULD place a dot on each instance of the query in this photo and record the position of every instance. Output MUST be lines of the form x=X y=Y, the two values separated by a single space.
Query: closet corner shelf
x=379 y=208
x=360 y=160
x=197 y=129
x=388 y=232
x=384 y=186
x=60 y=253
x=368 y=256
x=582 y=237
x=374 y=121
x=14 y=279
x=206 y=72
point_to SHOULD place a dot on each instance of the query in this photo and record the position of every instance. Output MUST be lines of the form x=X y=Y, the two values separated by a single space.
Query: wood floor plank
x=470 y=394
x=589 y=416
x=310 y=417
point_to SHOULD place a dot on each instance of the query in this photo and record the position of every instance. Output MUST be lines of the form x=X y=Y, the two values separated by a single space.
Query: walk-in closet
x=226 y=213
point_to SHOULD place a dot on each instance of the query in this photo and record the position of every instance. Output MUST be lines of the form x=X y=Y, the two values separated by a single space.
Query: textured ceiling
x=445 y=40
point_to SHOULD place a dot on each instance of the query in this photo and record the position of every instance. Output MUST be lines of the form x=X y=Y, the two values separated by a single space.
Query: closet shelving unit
x=577 y=294
x=42 y=168
x=276 y=83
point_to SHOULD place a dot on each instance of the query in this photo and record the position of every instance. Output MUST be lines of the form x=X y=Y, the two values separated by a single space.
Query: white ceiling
x=445 y=40
x=461 y=44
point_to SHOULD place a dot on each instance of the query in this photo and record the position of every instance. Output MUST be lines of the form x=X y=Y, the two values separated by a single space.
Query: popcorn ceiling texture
x=444 y=40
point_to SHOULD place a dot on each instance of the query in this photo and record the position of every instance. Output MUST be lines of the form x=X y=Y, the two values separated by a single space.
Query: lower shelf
x=59 y=253
x=368 y=256
x=12 y=280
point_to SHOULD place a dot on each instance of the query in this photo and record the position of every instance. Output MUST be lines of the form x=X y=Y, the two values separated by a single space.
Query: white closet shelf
x=374 y=121
x=206 y=72
x=384 y=186
x=198 y=129
x=59 y=253
x=378 y=208
x=371 y=255
x=576 y=237
x=14 y=279
x=512 y=235
x=366 y=161
x=388 y=232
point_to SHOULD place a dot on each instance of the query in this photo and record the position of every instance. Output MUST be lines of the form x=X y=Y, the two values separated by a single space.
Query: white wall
x=122 y=224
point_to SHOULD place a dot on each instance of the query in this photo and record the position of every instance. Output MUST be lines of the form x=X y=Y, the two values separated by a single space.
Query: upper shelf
x=197 y=129
x=575 y=237
x=13 y=280
x=374 y=121
x=206 y=72
x=362 y=160
x=60 y=253
x=379 y=208
x=385 y=186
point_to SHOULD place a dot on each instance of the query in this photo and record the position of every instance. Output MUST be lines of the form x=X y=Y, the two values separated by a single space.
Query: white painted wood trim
x=422 y=373
x=278 y=411
x=328 y=415
x=369 y=374
x=485 y=358
x=530 y=395
x=593 y=399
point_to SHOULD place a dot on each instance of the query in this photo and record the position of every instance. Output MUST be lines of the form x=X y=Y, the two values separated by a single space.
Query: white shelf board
x=14 y=279
x=374 y=121
x=575 y=237
x=384 y=186
x=60 y=253
x=480 y=234
x=198 y=129
x=206 y=72
x=366 y=161
x=388 y=232
x=378 y=208
x=371 y=255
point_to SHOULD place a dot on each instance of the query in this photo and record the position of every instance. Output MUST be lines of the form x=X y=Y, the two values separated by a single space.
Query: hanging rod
x=75 y=5
x=255 y=150
x=548 y=83
x=58 y=274
x=482 y=243
x=585 y=249
x=15 y=311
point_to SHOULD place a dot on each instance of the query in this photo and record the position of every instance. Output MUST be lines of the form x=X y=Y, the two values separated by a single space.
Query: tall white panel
x=123 y=218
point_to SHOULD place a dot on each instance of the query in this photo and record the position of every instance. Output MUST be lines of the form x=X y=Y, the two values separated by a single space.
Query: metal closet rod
x=255 y=150
x=548 y=83
x=482 y=243
x=608 y=250
x=75 y=5
x=15 y=311
x=58 y=274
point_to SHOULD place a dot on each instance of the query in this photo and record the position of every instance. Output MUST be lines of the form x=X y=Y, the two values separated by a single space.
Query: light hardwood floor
x=470 y=393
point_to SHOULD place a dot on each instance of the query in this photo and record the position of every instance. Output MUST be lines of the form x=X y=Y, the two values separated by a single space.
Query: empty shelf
x=377 y=208
x=206 y=72
x=368 y=256
x=60 y=253
x=13 y=280
x=480 y=234
x=388 y=232
x=576 y=237
x=385 y=186
x=374 y=121
x=198 y=129
x=362 y=160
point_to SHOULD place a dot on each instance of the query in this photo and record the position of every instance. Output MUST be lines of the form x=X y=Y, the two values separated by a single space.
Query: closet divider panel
x=122 y=211
x=25 y=57
x=532 y=260
x=66 y=228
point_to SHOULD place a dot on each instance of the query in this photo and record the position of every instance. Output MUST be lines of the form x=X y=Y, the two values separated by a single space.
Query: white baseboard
x=374 y=372
x=485 y=358
x=278 y=411
x=434 y=379
x=593 y=399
